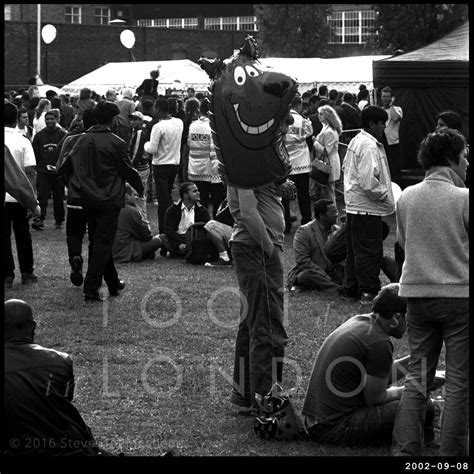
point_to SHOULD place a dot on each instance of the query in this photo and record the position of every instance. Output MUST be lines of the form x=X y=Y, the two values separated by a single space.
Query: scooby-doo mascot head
x=249 y=109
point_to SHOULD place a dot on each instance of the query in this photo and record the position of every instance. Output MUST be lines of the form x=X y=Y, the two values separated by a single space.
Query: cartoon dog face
x=249 y=106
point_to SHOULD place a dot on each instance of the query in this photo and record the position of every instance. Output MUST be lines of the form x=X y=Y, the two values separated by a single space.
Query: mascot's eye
x=239 y=76
x=251 y=71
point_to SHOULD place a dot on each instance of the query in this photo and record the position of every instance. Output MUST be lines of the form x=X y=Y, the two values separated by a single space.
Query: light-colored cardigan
x=433 y=228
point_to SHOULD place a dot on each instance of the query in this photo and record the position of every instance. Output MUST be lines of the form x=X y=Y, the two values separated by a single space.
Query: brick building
x=88 y=35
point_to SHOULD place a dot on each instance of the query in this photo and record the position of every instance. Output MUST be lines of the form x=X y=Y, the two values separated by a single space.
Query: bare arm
x=376 y=391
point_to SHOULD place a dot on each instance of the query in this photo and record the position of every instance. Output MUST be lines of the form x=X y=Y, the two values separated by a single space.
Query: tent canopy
x=337 y=73
x=178 y=74
x=425 y=82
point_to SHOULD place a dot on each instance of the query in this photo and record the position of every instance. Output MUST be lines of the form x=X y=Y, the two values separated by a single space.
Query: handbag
x=277 y=418
x=321 y=169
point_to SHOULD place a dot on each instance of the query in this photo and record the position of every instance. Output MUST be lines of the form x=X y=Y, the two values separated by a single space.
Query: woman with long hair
x=40 y=111
x=327 y=141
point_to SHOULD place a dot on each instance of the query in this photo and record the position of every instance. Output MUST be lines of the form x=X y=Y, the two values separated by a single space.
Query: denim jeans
x=366 y=426
x=102 y=225
x=364 y=254
x=430 y=321
x=261 y=337
x=164 y=178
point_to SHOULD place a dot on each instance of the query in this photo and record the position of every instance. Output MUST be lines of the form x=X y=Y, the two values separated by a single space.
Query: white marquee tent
x=178 y=74
x=338 y=73
x=343 y=74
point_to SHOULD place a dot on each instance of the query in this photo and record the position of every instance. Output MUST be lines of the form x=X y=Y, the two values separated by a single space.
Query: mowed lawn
x=154 y=366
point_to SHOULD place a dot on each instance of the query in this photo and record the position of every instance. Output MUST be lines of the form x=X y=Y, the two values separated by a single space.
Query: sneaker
x=28 y=278
x=93 y=297
x=8 y=282
x=120 y=286
x=366 y=299
x=295 y=289
x=58 y=225
x=37 y=224
x=163 y=252
x=219 y=263
x=76 y=274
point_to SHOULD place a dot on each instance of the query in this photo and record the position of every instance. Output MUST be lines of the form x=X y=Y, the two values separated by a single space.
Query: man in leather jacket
x=97 y=167
x=38 y=393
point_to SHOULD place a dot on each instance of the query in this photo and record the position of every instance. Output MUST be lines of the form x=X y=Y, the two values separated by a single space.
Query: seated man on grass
x=182 y=215
x=313 y=269
x=40 y=417
x=350 y=399
x=133 y=240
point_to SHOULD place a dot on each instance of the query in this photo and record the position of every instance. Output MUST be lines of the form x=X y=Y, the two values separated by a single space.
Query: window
x=73 y=14
x=102 y=16
x=351 y=27
x=8 y=12
x=247 y=23
x=169 y=23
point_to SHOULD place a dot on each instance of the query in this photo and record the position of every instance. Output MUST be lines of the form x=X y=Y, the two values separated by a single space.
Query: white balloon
x=396 y=191
x=48 y=33
x=127 y=37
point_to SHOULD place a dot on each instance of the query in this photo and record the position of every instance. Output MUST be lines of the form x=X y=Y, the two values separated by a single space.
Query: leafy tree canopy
x=408 y=27
x=293 y=30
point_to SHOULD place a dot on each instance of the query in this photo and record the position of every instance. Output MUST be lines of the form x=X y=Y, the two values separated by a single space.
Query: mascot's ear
x=213 y=67
x=249 y=48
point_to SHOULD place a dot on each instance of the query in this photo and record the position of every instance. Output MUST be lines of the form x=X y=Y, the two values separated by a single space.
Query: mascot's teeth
x=249 y=129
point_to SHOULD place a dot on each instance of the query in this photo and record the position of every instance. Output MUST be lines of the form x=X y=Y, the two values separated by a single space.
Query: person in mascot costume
x=249 y=114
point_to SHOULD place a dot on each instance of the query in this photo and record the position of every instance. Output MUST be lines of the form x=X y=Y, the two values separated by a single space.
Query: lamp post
x=38 y=44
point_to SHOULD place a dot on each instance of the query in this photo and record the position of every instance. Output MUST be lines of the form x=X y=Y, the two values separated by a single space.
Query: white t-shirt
x=187 y=219
x=21 y=150
x=165 y=142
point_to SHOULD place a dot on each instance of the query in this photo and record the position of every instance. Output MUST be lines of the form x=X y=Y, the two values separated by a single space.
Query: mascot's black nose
x=276 y=88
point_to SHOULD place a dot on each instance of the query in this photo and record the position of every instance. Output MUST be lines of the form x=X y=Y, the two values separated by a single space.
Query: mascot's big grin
x=249 y=106
x=248 y=128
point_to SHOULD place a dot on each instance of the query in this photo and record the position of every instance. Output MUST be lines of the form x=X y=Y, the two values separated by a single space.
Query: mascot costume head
x=249 y=109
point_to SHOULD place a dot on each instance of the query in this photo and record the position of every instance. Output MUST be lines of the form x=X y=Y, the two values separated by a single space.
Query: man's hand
x=392 y=100
x=182 y=247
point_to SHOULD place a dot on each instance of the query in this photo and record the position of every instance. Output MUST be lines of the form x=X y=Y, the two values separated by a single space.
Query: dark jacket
x=173 y=218
x=140 y=159
x=349 y=115
x=45 y=146
x=97 y=167
x=38 y=394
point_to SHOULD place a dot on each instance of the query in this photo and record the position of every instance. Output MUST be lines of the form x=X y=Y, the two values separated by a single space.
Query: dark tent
x=425 y=82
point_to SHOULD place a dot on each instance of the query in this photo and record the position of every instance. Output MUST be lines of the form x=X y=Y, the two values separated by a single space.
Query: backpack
x=200 y=248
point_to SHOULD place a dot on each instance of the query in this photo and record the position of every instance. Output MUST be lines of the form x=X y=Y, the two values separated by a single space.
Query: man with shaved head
x=38 y=393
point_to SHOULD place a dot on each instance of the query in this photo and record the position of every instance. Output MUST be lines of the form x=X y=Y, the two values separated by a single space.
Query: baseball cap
x=137 y=113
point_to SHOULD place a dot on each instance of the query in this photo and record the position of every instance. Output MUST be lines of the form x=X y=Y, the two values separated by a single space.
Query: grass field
x=153 y=366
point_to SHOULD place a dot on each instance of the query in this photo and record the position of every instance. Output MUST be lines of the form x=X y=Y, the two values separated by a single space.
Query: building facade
x=88 y=35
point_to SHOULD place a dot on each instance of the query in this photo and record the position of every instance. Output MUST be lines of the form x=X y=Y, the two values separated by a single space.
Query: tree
x=408 y=27
x=293 y=30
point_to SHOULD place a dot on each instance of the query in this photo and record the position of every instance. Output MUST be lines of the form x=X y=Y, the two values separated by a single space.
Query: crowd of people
x=112 y=155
